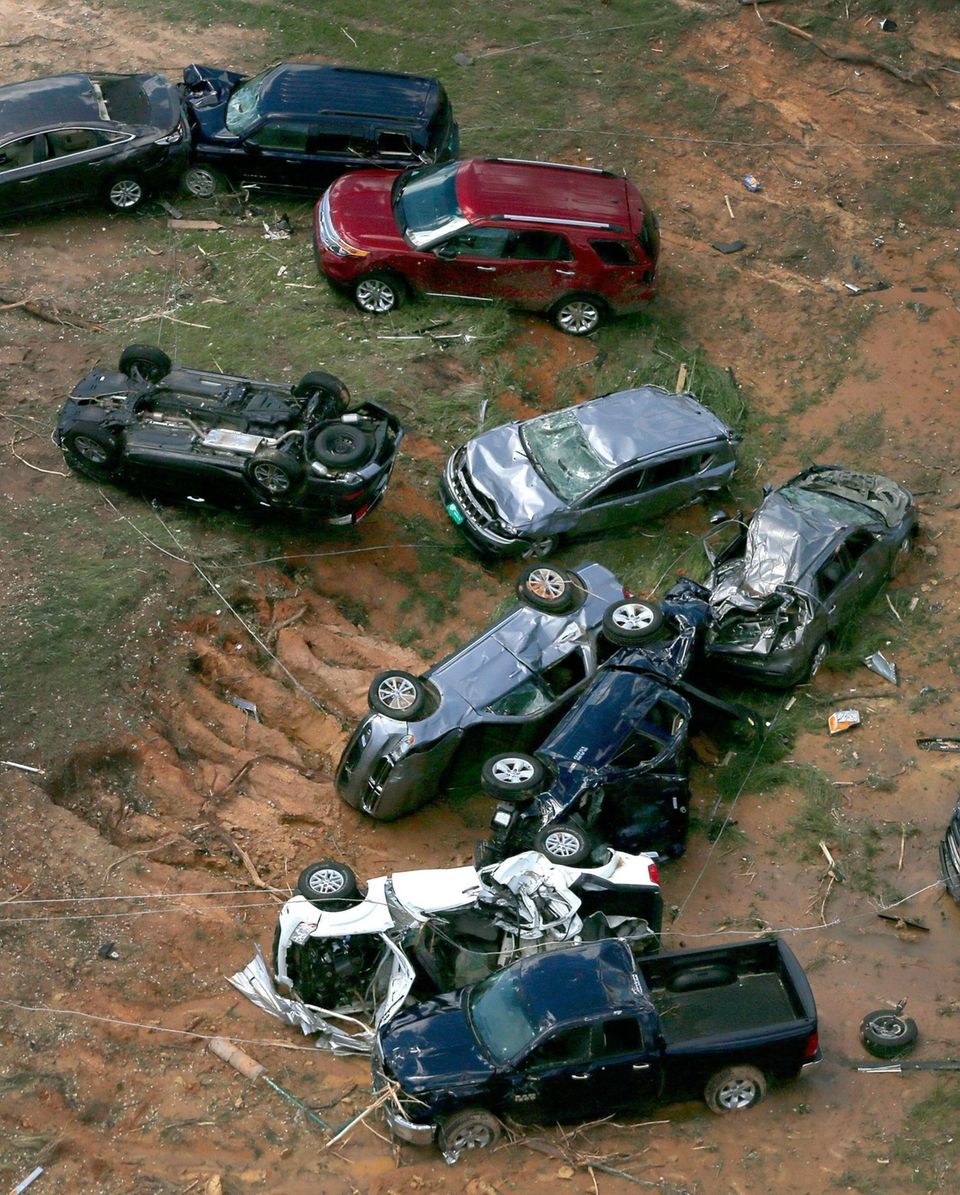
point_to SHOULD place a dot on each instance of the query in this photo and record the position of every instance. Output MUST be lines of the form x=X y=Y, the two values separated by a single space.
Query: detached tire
x=550 y=589
x=324 y=386
x=734 y=1089
x=274 y=474
x=328 y=885
x=564 y=843
x=631 y=621
x=145 y=363
x=341 y=446
x=397 y=694
x=512 y=776
x=92 y=451
x=884 y=1034
x=473 y=1128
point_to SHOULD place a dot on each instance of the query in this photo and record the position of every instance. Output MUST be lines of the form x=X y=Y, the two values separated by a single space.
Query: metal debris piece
x=841 y=720
x=108 y=950
x=897 y=1068
x=887 y=24
x=939 y=744
x=171 y=210
x=22 y=1186
x=23 y=767
x=728 y=246
x=719 y=516
x=879 y=664
x=248 y=707
x=752 y=183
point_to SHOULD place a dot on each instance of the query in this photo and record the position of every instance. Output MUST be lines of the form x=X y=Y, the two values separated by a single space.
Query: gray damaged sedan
x=431 y=733
x=606 y=463
x=816 y=550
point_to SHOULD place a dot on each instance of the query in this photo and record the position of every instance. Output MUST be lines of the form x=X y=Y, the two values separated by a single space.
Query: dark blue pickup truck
x=586 y=1031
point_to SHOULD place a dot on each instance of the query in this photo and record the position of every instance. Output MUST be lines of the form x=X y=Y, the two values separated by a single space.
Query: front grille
x=471 y=505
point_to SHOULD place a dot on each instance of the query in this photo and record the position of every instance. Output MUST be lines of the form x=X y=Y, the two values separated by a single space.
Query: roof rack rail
x=607 y=227
x=554 y=165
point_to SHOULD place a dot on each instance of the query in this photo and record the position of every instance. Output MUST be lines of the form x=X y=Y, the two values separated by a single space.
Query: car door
x=277 y=154
x=621 y=500
x=538 y=267
x=553 y=1081
x=80 y=162
x=848 y=577
x=465 y=265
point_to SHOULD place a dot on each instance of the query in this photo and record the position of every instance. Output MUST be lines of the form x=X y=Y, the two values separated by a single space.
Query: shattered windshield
x=243 y=111
x=500 y=1017
x=426 y=203
x=559 y=450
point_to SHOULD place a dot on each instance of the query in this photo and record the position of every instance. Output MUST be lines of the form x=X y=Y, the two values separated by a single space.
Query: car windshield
x=242 y=111
x=559 y=451
x=499 y=1016
x=426 y=203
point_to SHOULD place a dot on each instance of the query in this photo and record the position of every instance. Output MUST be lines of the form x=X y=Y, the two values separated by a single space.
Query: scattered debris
x=832 y=865
x=728 y=246
x=463 y=59
x=726 y=200
x=173 y=212
x=23 y=767
x=280 y=230
x=22 y=1186
x=244 y=1065
x=879 y=664
x=841 y=720
x=856 y=289
x=719 y=516
x=49 y=315
x=923 y=76
x=194 y=225
x=879 y=242
x=752 y=183
x=905 y=922
x=887 y=24
x=942 y=743
x=249 y=707
x=108 y=950
x=897 y=1068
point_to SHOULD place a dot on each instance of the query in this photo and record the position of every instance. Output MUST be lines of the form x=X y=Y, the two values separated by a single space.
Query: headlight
x=171 y=138
x=402 y=747
x=330 y=238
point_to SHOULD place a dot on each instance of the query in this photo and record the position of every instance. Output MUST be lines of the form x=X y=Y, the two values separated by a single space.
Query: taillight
x=813 y=1044
x=654 y=874
x=628 y=593
x=358 y=514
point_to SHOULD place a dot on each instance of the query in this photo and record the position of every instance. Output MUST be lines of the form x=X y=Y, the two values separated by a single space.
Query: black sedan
x=216 y=437
x=611 y=462
x=73 y=139
x=296 y=126
x=814 y=553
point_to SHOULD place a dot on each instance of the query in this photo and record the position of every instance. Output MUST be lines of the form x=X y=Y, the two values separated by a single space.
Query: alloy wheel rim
x=739 y=1093
x=327 y=882
x=126 y=193
x=633 y=617
x=546 y=583
x=200 y=184
x=397 y=692
x=579 y=318
x=377 y=297
x=513 y=771
x=563 y=844
x=90 y=450
x=272 y=478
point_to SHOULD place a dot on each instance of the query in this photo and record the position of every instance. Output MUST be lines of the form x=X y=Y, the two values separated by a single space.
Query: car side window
x=622 y=1036
x=626 y=485
x=637 y=750
x=526 y=698
x=61 y=142
x=19 y=153
x=570 y=1045
x=476 y=242
x=534 y=245
x=614 y=253
x=843 y=561
x=560 y=677
x=670 y=471
x=291 y=135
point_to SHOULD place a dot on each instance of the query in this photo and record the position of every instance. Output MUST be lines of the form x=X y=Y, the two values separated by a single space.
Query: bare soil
x=190 y=795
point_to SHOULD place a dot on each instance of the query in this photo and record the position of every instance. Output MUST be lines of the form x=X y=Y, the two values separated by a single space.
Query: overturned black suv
x=190 y=433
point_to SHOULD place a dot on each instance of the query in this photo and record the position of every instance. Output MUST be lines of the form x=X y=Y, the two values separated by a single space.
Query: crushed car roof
x=796 y=526
x=35 y=102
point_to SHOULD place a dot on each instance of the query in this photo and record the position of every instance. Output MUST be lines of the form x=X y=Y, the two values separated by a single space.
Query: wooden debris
x=195 y=225
x=832 y=865
x=49 y=314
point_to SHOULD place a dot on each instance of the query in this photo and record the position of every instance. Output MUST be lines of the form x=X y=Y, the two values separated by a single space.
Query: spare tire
x=692 y=979
x=327 y=386
x=328 y=885
x=885 y=1034
x=631 y=621
x=341 y=446
x=145 y=362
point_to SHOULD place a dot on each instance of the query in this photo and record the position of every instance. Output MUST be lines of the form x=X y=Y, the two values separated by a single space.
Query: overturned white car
x=345 y=961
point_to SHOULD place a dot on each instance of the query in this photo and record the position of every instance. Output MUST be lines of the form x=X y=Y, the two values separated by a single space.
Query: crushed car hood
x=207 y=91
x=500 y=469
x=432 y=1044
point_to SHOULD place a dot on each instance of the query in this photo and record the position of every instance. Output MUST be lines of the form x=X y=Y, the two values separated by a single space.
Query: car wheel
x=547 y=588
x=536 y=549
x=735 y=1089
x=273 y=474
x=397 y=694
x=324 y=386
x=126 y=193
x=512 y=775
x=377 y=293
x=579 y=315
x=817 y=656
x=341 y=446
x=473 y=1128
x=203 y=182
x=328 y=885
x=144 y=363
x=902 y=557
x=631 y=621
x=884 y=1034
x=93 y=451
x=566 y=844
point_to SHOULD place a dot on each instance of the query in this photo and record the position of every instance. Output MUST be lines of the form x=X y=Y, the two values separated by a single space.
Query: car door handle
x=567 y=273
x=586 y=1076
x=640 y=1066
x=488 y=269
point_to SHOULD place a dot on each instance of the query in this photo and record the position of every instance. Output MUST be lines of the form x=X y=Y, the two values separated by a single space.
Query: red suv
x=578 y=243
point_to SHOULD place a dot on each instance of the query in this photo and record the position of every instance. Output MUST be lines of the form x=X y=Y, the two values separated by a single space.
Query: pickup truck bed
x=751 y=1002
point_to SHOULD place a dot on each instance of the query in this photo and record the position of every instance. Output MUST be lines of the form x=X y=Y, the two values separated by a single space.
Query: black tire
x=693 y=979
x=885 y=1034
x=328 y=885
x=397 y=694
x=329 y=389
x=471 y=1128
x=274 y=474
x=145 y=363
x=512 y=775
x=125 y=193
x=817 y=656
x=341 y=446
x=378 y=293
x=578 y=315
x=631 y=621
x=565 y=843
x=734 y=1089
x=92 y=451
x=550 y=589
x=203 y=182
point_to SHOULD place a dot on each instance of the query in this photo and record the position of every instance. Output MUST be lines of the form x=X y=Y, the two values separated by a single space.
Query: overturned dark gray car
x=610 y=462
x=816 y=550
